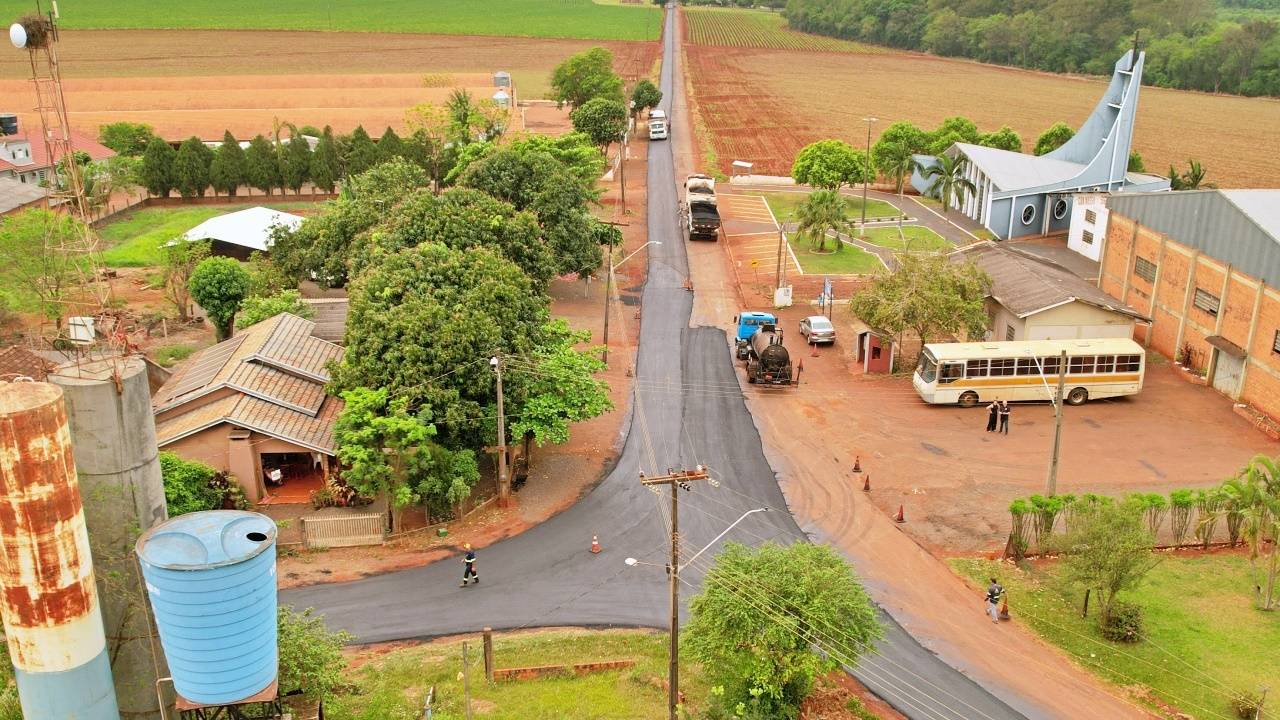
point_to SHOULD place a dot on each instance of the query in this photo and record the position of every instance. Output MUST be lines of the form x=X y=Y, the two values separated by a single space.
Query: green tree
x=561 y=386
x=157 y=167
x=191 y=168
x=362 y=153
x=1135 y=162
x=928 y=294
x=1107 y=548
x=180 y=260
x=254 y=310
x=762 y=612
x=123 y=173
x=822 y=212
x=228 y=170
x=188 y=485
x=310 y=656
x=325 y=169
x=40 y=270
x=126 y=138
x=1055 y=137
x=947 y=181
x=601 y=119
x=830 y=165
x=585 y=76
x=431 y=145
x=1192 y=179
x=1255 y=495
x=260 y=166
x=895 y=160
x=297 y=163
x=1005 y=139
x=219 y=284
x=645 y=96
x=390 y=146
x=469 y=121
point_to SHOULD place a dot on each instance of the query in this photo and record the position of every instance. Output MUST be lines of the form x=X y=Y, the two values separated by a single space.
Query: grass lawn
x=849 y=261
x=784 y=204
x=918 y=239
x=521 y=18
x=393 y=686
x=1205 y=639
x=136 y=240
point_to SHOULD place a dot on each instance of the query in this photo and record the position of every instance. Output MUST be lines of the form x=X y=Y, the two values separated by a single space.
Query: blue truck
x=748 y=323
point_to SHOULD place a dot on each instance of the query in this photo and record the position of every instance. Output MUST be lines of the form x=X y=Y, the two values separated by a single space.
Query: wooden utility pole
x=466 y=680
x=504 y=480
x=622 y=171
x=608 y=294
x=676 y=481
x=488 y=654
x=1052 y=484
x=781 y=256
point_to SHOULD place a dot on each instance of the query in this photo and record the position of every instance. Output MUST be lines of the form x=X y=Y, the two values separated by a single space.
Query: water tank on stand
x=211 y=578
x=502 y=99
x=502 y=78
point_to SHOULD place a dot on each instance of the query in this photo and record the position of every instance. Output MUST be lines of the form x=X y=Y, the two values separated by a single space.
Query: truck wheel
x=968 y=399
x=1077 y=396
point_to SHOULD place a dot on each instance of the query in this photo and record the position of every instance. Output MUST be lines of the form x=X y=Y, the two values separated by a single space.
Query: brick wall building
x=1205 y=267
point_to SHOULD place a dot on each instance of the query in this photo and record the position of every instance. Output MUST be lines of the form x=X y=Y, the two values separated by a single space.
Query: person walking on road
x=1004 y=416
x=469 y=560
x=994 y=591
x=993 y=412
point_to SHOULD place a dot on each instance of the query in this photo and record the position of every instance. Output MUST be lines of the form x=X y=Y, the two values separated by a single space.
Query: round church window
x=1028 y=214
x=1059 y=209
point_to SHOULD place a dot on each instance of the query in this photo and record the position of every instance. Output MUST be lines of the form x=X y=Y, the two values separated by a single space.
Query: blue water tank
x=211 y=577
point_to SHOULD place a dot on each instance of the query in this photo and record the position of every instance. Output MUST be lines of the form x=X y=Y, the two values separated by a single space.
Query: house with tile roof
x=25 y=156
x=18 y=196
x=16 y=362
x=255 y=406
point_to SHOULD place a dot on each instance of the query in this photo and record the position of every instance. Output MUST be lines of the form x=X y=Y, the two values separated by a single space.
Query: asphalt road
x=547 y=577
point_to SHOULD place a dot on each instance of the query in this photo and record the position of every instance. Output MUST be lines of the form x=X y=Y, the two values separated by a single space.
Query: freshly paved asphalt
x=547 y=577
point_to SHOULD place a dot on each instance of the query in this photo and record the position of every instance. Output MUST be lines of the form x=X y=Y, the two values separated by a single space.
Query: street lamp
x=866 y=177
x=608 y=290
x=673 y=679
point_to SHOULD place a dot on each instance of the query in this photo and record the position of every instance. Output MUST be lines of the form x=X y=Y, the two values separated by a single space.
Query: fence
x=344 y=530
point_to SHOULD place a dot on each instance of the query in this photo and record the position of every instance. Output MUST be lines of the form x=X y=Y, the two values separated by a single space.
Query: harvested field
x=764 y=105
x=200 y=82
x=757 y=29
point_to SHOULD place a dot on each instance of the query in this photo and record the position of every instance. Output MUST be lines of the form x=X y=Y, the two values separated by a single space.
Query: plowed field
x=763 y=105
x=201 y=82
x=757 y=29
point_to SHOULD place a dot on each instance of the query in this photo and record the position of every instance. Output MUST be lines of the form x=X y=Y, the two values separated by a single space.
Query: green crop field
x=758 y=29
x=519 y=18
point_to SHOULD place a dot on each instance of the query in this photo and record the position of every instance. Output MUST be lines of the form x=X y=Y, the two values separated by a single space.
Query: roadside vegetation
x=849 y=261
x=784 y=204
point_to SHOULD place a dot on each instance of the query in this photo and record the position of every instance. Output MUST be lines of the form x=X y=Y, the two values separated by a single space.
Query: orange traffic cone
x=814 y=349
x=857 y=463
x=900 y=517
x=866 y=483
x=595 y=544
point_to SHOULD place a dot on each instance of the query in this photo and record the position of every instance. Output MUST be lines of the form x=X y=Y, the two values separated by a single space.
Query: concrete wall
x=1097 y=204
x=1001 y=321
x=1077 y=320
x=1248 y=314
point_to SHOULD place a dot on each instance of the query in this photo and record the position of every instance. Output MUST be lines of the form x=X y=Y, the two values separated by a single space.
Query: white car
x=817 y=329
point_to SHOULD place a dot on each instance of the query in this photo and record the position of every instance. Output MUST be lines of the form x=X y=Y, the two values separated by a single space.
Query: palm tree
x=1192 y=179
x=821 y=212
x=899 y=162
x=1255 y=494
x=948 y=180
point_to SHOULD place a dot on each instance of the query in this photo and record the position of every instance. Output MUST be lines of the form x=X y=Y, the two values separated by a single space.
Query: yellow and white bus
x=970 y=373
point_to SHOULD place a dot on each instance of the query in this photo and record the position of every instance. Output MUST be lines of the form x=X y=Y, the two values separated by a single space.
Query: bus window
x=1027 y=366
x=1050 y=365
x=1081 y=365
x=951 y=372
x=927 y=368
x=1128 y=363
x=976 y=368
x=1002 y=366
x=1106 y=364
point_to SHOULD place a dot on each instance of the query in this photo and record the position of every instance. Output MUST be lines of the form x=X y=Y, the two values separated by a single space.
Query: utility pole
x=608 y=293
x=1052 y=485
x=504 y=481
x=676 y=481
x=781 y=256
x=466 y=680
x=622 y=171
x=866 y=178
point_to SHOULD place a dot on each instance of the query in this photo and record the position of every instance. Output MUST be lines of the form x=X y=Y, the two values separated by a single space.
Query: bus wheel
x=969 y=399
x=1077 y=396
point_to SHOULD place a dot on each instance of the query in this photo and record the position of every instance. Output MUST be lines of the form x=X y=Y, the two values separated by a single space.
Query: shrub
x=1247 y=705
x=1124 y=623
x=311 y=661
x=188 y=485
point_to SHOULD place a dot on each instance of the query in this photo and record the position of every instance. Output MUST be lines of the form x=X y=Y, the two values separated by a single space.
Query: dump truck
x=702 y=218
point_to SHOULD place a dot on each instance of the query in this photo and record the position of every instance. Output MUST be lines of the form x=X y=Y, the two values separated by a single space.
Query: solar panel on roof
x=205 y=368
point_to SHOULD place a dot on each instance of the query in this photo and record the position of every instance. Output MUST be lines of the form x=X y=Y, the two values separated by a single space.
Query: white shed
x=239 y=234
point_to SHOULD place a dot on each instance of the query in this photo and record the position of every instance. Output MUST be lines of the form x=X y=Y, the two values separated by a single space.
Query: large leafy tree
x=822 y=212
x=829 y=164
x=424 y=322
x=157 y=167
x=645 y=96
x=362 y=153
x=560 y=387
x=1107 y=548
x=34 y=251
x=261 y=167
x=191 y=167
x=928 y=294
x=534 y=180
x=219 y=284
x=584 y=76
x=228 y=171
x=1055 y=137
x=1005 y=139
x=296 y=168
x=947 y=181
x=601 y=119
x=126 y=138
x=390 y=146
x=325 y=167
x=764 y=616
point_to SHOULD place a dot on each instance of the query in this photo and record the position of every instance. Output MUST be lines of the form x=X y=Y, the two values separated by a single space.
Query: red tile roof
x=40 y=150
x=15 y=361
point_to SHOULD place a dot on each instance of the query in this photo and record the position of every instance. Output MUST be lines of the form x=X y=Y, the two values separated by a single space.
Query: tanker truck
x=701 y=217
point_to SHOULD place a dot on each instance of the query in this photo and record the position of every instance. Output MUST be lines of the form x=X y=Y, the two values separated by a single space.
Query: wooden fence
x=344 y=530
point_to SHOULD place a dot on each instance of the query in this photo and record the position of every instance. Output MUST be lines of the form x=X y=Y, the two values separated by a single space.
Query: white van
x=656 y=114
x=657 y=129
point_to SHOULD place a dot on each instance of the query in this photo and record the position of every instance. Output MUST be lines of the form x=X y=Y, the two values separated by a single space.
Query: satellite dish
x=18 y=35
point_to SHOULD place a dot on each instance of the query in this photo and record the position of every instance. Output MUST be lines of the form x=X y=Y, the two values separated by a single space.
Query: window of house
x=1028 y=214
x=1090 y=217
x=1145 y=269
x=1207 y=302
x=1059 y=209
x=1008 y=332
x=1087 y=237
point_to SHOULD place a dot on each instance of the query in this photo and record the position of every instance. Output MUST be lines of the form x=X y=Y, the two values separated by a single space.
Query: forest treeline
x=1188 y=44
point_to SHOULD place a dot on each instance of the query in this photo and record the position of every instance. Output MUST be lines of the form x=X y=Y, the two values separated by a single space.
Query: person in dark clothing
x=993 y=412
x=469 y=559
x=994 y=591
x=1004 y=416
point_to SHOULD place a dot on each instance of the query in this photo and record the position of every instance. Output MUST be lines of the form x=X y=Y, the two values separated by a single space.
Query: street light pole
x=608 y=291
x=1052 y=483
x=866 y=177
x=504 y=480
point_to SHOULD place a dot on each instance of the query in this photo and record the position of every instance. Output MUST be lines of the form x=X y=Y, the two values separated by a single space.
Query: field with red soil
x=201 y=82
x=763 y=105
